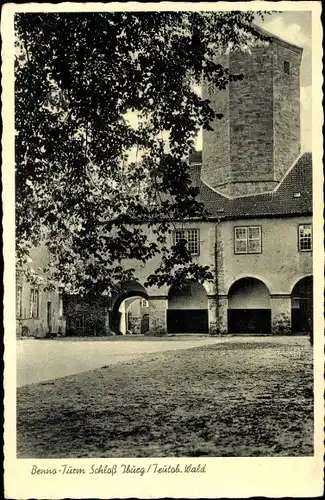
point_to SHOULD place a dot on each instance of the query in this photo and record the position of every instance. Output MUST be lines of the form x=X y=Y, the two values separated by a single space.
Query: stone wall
x=286 y=108
x=251 y=116
x=216 y=168
x=281 y=314
x=258 y=139
x=158 y=314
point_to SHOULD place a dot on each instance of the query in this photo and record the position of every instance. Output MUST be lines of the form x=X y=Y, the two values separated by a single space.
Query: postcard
x=163 y=250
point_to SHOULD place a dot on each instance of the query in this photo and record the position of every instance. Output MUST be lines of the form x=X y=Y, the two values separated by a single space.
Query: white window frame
x=301 y=227
x=186 y=236
x=247 y=239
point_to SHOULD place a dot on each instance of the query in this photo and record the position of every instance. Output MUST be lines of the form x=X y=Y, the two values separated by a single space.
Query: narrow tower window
x=286 y=67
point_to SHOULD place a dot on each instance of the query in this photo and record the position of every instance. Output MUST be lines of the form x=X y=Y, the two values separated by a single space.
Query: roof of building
x=293 y=195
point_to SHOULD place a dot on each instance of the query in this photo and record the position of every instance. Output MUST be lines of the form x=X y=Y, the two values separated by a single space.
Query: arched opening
x=130 y=310
x=302 y=306
x=187 y=309
x=249 y=307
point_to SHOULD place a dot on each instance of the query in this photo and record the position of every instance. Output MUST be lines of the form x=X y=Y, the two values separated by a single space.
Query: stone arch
x=187 y=309
x=132 y=289
x=301 y=281
x=249 y=307
x=302 y=305
x=250 y=277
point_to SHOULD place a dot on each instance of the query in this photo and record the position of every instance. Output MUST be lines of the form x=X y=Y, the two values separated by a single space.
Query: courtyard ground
x=241 y=397
x=41 y=359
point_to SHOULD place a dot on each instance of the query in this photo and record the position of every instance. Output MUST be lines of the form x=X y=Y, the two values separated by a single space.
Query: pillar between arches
x=223 y=314
x=281 y=314
x=212 y=314
x=158 y=313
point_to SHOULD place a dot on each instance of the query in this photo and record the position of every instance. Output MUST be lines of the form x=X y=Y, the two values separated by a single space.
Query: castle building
x=257 y=187
x=39 y=312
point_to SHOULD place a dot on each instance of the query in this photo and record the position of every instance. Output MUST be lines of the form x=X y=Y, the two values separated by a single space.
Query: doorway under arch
x=302 y=306
x=187 y=309
x=132 y=290
x=249 y=307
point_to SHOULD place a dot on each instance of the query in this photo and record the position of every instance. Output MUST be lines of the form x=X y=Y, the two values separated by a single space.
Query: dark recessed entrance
x=249 y=307
x=302 y=306
x=187 y=309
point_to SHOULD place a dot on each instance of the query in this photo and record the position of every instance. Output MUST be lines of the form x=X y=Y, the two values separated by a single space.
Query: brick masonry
x=251 y=148
x=216 y=168
x=286 y=109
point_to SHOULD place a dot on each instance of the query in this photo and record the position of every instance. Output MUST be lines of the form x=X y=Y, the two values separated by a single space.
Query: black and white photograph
x=161 y=167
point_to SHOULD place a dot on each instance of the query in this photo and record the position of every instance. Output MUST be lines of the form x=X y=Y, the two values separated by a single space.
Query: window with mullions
x=305 y=238
x=34 y=303
x=191 y=236
x=248 y=239
x=19 y=301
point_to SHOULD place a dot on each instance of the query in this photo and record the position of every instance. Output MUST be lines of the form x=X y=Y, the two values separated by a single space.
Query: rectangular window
x=191 y=236
x=34 y=302
x=305 y=238
x=19 y=301
x=248 y=239
x=286 y=67
x=144 y=303
x=179 y=235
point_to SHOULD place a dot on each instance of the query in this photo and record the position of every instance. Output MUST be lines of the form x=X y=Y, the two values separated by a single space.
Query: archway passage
x=249 y=307
x=302 y=306
x=187 y=309
x=136 y=291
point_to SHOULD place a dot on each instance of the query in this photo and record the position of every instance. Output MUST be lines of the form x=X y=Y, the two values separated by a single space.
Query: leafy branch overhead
x=85 y=172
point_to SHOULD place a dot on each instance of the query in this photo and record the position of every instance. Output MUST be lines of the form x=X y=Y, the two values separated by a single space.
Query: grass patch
x=233 y=399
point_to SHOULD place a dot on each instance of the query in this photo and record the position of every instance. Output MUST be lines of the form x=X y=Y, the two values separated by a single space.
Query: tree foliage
x=89 y=184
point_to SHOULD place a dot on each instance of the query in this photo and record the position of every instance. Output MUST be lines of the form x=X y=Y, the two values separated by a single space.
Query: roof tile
x=280 y=202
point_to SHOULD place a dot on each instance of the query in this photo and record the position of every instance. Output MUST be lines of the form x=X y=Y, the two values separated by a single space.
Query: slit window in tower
x=286 y=67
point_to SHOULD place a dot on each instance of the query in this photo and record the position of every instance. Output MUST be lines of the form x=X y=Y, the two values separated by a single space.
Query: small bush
x=282 y=326
x=156 y=332
x=25 y=331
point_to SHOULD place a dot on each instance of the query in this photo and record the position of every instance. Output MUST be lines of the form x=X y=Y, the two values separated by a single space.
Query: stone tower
x=255 y=143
